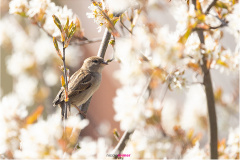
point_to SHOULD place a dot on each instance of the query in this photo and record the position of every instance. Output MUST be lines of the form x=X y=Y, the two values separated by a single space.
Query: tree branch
x=207 y=82
x=210 y=6
x=212 y=117
x=88 y=41
x=122 y=143
x=104 y=43
x=74 y=40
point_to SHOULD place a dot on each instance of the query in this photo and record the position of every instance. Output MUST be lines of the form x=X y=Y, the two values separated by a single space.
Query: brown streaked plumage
x=83 y=83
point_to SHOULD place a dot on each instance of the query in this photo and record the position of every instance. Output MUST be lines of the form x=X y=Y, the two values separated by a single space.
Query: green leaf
x=72 y=30
x=55 y=44
x=57 y=22
x=66 y=27
x=56 y=47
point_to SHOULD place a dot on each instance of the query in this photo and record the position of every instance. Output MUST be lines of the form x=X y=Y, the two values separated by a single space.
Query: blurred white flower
x=211 y=20
x=234 y=21
x=25 y=88
x=232 y=149
x=18 y=62
x=129 y=108
x=40 y=140
x=194 y=109
x=37 y=6
x=61 y=13
x=18 y=6
x=195 y=153
x=73 y=55
x=104 y=128
x=11 y=107
x=43 y=49
x=119 y=6
x=10 y=25
x=169 y=114
x=90 y=149
x=12 y=114
x=50 y=77
x=210 y=43
x=192 y=46
x=148 y=143
x=178 y=9
x=96 y=14
x=76 y=122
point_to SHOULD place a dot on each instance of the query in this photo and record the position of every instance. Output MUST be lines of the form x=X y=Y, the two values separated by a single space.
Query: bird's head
x=94 y=64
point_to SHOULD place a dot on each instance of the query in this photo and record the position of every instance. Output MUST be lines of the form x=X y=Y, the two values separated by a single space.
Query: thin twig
x=223 y=24
x=89 y=41
x=66 y=82
x=125 y=26
x=210 y=6
x=74 y=42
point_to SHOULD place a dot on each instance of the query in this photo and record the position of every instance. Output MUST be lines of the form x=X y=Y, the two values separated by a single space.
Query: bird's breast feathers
x=88 y=84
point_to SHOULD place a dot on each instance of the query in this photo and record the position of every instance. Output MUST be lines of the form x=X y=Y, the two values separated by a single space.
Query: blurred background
x=35 y=55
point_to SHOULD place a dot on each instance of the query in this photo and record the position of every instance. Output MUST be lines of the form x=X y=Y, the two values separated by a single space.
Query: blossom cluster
x=102 y=15
x=153 y=57
x=154 y=64
x=31 y=62
x=41 y=11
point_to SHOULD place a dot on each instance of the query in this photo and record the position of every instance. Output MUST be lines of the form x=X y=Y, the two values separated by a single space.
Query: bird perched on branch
x=82 y=84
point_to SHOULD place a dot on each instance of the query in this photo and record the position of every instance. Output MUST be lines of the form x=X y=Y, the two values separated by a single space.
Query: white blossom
x=178 y=9
x=43 y=54
x=147 y=143
x=90 y=149
x=195 y=153
x=50 y=77
x=12 y=113
x=76 y=123
x=234 y=21
x=193 y=46
x=18 y=62
x=129 y=108
x=17 y=6
x=194 y=108
x=233 y=141
x=37 y=6
x=25 y=88
x=119 y=6
x=40 y=140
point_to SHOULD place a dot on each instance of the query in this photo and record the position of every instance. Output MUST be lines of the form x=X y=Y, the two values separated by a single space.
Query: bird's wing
x=58 y=99
x=79 y=82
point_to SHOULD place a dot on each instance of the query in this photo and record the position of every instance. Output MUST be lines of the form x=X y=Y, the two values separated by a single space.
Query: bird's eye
x=95 y=61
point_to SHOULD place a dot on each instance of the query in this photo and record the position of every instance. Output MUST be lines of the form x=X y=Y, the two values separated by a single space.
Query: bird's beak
x=105 y=63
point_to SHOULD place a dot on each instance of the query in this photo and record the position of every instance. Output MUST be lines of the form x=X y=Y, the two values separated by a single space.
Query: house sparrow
x=82 y=84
